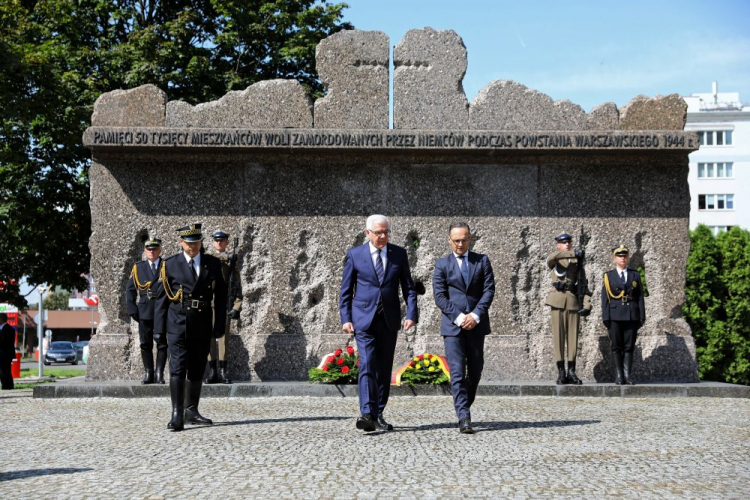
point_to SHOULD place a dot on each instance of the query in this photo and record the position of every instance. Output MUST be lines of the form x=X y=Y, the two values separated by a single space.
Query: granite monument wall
x=295 y=181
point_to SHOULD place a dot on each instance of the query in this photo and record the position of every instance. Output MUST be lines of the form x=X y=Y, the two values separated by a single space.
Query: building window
x=715 y=202
x=715 y=138
x=719 y=170
x=719 y=229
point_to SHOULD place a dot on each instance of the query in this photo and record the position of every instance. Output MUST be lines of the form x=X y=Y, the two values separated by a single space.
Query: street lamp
x=40 y=327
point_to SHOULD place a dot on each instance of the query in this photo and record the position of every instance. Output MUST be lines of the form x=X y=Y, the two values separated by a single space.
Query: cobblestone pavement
x=299 y=447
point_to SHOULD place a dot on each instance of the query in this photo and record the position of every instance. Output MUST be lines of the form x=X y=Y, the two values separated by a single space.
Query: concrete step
x=133 y=389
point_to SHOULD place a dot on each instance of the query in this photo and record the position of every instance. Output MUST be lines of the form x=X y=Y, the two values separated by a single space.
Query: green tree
x=58 y=56
x=735 y=274
x=57 y=301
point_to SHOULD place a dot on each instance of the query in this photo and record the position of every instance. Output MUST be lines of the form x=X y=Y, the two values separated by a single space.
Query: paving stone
x=525 y=447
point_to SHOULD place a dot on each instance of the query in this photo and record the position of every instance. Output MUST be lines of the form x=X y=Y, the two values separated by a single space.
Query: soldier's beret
x=191 y=233
x=621 y=250
x=563 y=237
x=220 y=235
x=152 y=242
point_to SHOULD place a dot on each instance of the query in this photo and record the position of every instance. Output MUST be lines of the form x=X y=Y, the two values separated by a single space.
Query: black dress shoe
x=366 y=423
x=464 y=426
x=383 y=425
x=193 y=417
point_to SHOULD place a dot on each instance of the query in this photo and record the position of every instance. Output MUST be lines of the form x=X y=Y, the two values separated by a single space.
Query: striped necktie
x=379 y=267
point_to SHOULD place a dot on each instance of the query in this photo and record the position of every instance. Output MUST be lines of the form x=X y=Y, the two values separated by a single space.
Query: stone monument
x=295 y=180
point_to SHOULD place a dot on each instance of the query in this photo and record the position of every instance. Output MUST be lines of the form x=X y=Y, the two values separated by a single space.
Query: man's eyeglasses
x=460 y=242
x=381 y=233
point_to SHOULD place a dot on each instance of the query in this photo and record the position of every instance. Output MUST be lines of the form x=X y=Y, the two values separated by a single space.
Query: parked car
x=79 y=349
x=61 y=352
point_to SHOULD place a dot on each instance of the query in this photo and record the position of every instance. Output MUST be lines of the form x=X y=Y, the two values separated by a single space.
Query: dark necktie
x=622 y=278
x=153 y=269
x=379 y=267
x=192 y=269
x=464 y=269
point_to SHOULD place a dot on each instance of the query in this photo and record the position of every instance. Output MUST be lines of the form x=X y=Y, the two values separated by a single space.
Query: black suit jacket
x=142 y=306
x=187 y=317
x=7 y=342
x=453 y=297
x=633 y=309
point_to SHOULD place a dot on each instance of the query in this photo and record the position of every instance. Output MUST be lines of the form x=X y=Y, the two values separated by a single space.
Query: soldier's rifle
x=582 y=284
x=232 y=282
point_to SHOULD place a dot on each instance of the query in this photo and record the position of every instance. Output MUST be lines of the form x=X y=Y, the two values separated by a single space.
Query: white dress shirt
x=374 y=254
x=196 y=262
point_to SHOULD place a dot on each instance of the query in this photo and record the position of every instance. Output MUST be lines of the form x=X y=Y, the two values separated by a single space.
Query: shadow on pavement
x=499 y=426
x=21 y=474
x=265 y=421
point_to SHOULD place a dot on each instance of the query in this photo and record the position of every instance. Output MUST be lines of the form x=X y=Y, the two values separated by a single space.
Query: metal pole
x=40 y=329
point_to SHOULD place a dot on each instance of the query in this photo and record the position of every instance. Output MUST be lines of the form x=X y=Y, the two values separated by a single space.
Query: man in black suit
x=140 y=297
x=7 y=351
x=623 y=312
x=193 y=287
x=464 y=287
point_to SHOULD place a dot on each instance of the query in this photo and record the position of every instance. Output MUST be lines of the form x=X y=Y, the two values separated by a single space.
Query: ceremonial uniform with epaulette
x=193 y=288
x=623 y=312
x=566 y=311
x=140 y=298
x=217 y=357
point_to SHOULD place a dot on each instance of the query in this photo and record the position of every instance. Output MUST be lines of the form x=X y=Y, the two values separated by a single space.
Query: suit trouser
x=465 y=353
x=222 y=347
x=565 y=333
x=622 y=335
x=188 y=355
x=376 y=347
x=5 y=374
x=146 y=334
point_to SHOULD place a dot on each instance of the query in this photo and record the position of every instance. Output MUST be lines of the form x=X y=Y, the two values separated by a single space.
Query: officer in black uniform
x=193 y=287
x=623 y=312
x=140 y=295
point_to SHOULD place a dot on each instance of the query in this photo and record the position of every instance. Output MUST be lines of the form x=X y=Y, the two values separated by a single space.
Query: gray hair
x=374 y=219
x=459 y=224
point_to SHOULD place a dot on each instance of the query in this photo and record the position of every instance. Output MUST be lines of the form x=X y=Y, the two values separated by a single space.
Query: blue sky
x=586 y=51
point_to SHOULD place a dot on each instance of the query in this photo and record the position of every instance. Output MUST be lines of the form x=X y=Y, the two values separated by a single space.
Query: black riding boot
x=561 y=377
x=617 y=357
x=223 y=377
x=148 y=365
x=177 y=392
x=572 y=377
x=626 y=366
x=161 y=362
x=213 y=373
x=192 y=398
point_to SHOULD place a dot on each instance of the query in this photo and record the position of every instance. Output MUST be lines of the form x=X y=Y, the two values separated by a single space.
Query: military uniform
x=185 y=306
x=217 y=357
x=623 y=313
x=562 y=298
x=140 y=298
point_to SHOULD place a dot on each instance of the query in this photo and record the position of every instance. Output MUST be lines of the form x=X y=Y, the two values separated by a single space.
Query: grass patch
x=51 y=372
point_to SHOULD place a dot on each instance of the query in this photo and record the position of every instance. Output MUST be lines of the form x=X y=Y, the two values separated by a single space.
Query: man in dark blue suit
x=193 y=287
x=464 y=286
x=370 y=309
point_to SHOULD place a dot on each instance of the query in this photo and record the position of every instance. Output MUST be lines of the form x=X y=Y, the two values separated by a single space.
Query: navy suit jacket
x=361 y=291
x=143 y=307
x=176 y=317
x=453 y=297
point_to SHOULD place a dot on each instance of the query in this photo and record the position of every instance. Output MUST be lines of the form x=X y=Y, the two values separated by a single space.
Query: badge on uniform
x=635 y=284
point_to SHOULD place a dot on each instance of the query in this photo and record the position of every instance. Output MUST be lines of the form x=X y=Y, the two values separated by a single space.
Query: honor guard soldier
x=193 y=288
x=140 y=298
x=623 y=312
x=563 y=298
x=217 y=358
